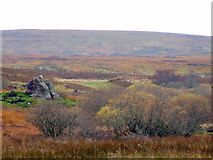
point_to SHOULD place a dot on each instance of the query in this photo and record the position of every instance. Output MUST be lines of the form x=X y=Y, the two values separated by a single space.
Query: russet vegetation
x=109 y=108
x=196 y=146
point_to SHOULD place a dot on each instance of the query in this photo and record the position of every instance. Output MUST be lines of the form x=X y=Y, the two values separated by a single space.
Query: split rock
x=39 y=88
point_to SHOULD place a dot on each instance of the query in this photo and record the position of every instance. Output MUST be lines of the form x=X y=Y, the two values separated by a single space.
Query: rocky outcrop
x=39 y=88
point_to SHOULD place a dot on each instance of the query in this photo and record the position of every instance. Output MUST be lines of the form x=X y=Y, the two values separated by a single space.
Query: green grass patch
x=17 y=82
x=21 y=99
x=94 y=85
x=183 y=70
x=148 y=71
x=68 y=102
x=16 y=98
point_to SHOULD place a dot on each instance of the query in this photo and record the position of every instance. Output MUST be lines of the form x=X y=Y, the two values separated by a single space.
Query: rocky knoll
x=40 y=88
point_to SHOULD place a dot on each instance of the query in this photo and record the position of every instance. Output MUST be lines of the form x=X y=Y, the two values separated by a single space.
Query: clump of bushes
x=54 y=119
x=167 y=78
x=140 y=110
x=139 y=113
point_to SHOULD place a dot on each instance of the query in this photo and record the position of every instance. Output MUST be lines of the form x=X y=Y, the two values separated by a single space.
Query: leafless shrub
x=54 y=119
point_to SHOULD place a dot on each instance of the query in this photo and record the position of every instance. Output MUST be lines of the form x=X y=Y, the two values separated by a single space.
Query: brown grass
x=198 y=146
x=133 y=65
x=14 y=123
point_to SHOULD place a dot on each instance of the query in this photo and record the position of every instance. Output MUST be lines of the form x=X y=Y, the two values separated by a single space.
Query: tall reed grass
x=197 y=146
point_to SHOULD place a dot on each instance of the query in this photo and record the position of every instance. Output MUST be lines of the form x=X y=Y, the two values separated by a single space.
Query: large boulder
x=39 y=88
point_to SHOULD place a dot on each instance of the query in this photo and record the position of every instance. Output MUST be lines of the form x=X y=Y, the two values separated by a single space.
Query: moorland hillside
x=103 y=43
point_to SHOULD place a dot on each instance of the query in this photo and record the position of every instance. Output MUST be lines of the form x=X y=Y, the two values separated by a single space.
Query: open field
x=111 y=65
x=86 y=82
x=79 y=80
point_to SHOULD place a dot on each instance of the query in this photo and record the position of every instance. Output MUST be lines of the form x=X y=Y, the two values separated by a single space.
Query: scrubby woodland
x=156 y=106
x=164 y=114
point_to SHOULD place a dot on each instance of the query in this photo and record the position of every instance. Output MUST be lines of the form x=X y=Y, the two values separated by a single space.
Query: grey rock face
x=53 y=94
x=39 y=88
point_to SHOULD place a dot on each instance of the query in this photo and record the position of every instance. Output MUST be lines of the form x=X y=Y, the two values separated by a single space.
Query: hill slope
x=102 y=43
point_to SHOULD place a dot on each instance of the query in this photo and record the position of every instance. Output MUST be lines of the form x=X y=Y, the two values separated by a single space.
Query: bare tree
x=54 y=119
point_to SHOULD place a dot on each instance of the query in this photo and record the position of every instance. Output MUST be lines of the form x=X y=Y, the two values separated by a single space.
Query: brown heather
x=197 y=146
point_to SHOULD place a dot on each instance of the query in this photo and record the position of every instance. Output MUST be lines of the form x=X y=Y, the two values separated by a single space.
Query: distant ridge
x=103 y=43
